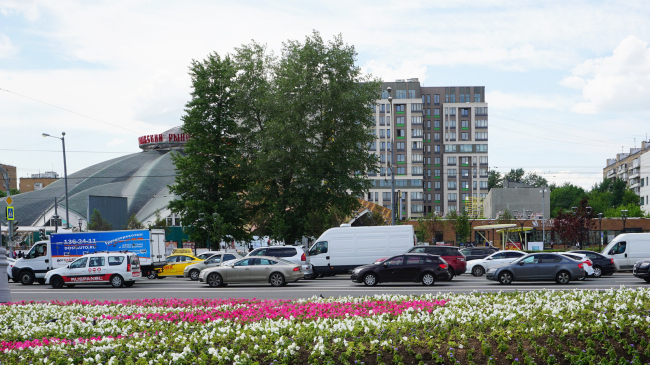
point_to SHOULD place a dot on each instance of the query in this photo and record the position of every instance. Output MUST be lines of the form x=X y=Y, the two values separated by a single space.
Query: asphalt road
x=327 y=287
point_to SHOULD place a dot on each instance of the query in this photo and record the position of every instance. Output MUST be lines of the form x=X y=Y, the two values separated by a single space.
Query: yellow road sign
x=9 y=200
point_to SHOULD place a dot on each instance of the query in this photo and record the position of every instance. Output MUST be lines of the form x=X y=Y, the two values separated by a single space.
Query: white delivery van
x=339 y=250
x=628 y=248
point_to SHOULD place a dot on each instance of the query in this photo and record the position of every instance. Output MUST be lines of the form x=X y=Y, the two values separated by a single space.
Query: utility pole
x=392 y=160
x=7 y=179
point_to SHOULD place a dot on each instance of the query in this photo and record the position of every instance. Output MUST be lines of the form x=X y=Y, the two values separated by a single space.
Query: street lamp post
x=588 y=210
x=526 y=217
x=543 y=191
x=600 y=228
x=624 y=216
x=392 y=159
x=65 y=177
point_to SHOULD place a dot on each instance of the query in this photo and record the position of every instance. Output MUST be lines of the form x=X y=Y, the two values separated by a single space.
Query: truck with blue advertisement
x=63 y=248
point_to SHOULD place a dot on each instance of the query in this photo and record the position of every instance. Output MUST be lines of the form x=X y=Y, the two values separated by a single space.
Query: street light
x=588 y=211
x=624 y=216
x=392 y=159
x=600 y=228
x=81 y=222
x=543 y=191
x=65 y=177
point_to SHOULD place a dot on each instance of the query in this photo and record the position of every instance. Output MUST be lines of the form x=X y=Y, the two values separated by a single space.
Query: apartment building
x=440 y=136
x=13 y=181
x=37 y=181
x=634 y=169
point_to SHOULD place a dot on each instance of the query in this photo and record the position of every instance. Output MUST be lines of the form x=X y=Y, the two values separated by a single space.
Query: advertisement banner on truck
x=66 y=246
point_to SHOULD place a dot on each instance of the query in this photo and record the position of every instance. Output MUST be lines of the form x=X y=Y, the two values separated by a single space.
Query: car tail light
x=588 y=262
x=580 y=265
x=443 y=266
x=303 y=257
x=612 y=260
x=296 y=269
x=128 y=267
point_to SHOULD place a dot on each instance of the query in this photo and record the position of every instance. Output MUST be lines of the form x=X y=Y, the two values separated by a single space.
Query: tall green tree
x=98 y=223
x=306 y=132
x=565 y=197
x=495 y=180
x=463 y=227
x=533 y=179
x=211 y=175
x=516 y=175
x=430 y=227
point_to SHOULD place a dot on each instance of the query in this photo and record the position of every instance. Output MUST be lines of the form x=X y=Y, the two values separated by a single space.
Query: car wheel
x=129 y=284
x=647 y=280
x=562 y=277
x=194 y=275
x=451 y=272
x=152 y=275
x=478 y=270
x=428 y=279
x=215 y=280
x=27 y=278
x=56 y=282
x=505 y=278
x=276 y=279
x=598 y=271
x=117 y=281
x=370 y=279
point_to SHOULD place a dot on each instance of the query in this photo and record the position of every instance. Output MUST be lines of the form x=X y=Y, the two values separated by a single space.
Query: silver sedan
x=216 y=259
x=262 y=269
x=538 y=267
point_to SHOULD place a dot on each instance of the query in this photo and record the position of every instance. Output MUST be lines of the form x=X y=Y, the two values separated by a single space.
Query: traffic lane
x=327 y=287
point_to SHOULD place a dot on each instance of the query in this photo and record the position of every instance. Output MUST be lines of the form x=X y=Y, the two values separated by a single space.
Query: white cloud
x=116 y=142
x=389 y=73
x=620 y=82
x=6 y=47
x=499 y=100
x=29 y=9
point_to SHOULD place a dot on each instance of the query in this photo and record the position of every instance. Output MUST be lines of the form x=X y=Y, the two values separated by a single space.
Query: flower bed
x=543 y=327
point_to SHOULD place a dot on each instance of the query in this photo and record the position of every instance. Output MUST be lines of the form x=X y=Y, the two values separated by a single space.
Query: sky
x=567 y=82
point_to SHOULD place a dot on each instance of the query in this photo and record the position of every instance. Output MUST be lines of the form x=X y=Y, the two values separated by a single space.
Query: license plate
x=136 y=274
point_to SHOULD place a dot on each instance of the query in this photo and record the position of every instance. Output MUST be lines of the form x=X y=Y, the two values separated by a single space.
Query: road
x=327 y=287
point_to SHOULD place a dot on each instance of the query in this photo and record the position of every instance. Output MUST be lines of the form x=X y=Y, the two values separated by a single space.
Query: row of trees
x=278 y=143
x=608 y=197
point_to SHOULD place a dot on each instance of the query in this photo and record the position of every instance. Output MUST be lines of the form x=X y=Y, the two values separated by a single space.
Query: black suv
x=408 y=267
x=603 y=266
x=476 y=253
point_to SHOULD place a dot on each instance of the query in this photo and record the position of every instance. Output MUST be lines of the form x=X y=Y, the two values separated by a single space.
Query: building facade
x=634 y=169
x=13 y=181
x=37 y=181
x=440 y=136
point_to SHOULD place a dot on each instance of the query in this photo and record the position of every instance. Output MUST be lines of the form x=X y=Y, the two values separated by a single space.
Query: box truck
x=339 y=250
x=62 y=248
x=628 y=248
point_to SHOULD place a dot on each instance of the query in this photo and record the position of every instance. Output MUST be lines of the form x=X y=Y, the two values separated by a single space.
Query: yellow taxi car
x=177 y=261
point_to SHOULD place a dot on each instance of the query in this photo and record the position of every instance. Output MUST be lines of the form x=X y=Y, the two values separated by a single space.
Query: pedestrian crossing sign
x=10 y=213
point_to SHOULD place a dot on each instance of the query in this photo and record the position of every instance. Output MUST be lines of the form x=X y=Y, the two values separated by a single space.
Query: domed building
x=142 y=178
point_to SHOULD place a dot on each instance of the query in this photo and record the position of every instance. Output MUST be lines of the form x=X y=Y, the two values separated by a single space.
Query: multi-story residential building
x=440 y=136
x=634 y=169
x=37 y=181
x=13 y=181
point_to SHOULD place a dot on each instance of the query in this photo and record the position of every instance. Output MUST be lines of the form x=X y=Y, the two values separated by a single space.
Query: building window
x=450 y=124
x=382 y=133
x=452 y=197
x=401 y=171
x=400 y=146
x=464 y=112
x=451 y=173
x=428 y=99
x=481 y=136
x=416 y=107
x=400 y=94
x=464 y=197
x=416 y=145
x=474 y=184
x=452 y=98
x=416 y=132
x=400 y=121
x=452 y=111
x=450 y=148
x=483 y=184
x=417 y=208
x=464 y=161
x=462 y=98
x=483 y=160
x=38 y=185
x=481 y=123
x=437 y=197
x=450 y=136
x=411 y=94
x=401 y=133
x=477 y=98
x=416 y=170
x=417 y=157
x=482 y=110
x=382 y=120
x=451 y=160
x=436 y=99
x=436 y=124
x=464 y=136
x=385 y=196
x=399 y=108
x=437 y=185
x=436 y=172
x=428 y=112
x=464 y=124
x=436 y=148
x=382 y=158
x=464 y=185
x=416 y=120
x=401 y=158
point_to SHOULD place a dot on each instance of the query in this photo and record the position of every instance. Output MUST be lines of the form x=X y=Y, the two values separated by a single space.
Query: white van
x=339 y=250
x=628 y=248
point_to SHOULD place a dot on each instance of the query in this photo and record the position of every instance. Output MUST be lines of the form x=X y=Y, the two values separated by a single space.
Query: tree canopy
x=276 y=143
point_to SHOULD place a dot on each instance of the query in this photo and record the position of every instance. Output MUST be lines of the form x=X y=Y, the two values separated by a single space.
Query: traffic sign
x=9 y=200
x=10 y=213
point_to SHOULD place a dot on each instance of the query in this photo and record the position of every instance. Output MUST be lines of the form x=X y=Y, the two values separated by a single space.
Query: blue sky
x=567 y=83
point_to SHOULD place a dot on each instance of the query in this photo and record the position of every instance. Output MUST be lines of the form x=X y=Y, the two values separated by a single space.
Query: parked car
x=641 y=270
x=258 y=269
x=176 y=264
x=476 y=253
x=205 y=255
x=216 y=259
x=478 y=267
x=295 y=254
x=10 y=264
x=452 y=255
x=117 y=268
x=423 y=268
x=603 y=266
x=538 y=266
x=588 y=265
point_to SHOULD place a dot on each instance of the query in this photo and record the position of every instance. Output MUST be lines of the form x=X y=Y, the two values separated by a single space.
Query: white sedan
x=588 y=265
x=480 y=266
